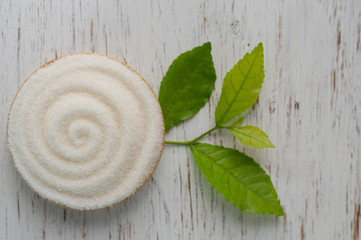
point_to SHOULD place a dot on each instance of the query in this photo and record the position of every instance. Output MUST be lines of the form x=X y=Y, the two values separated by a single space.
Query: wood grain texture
x=309 y=106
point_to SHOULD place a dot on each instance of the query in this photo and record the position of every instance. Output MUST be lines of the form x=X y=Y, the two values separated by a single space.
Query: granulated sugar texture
x=85 y=131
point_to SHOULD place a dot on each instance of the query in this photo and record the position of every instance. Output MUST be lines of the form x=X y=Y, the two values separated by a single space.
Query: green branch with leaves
x=186 y=88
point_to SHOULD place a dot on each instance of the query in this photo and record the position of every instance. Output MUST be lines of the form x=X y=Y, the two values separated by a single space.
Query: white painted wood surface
x=309 y=106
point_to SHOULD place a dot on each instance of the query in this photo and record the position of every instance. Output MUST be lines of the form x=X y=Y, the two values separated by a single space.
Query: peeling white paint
x=309 y=106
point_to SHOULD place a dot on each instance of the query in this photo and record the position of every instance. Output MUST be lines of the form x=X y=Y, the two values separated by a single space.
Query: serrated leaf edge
x=241 y=141
x=275 y=211
x=245 y=77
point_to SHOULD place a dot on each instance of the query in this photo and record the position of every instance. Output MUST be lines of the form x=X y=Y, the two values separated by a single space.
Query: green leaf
x=238 y=122
x=252 y=136
x=238 y=177
x=187 y=85
x=241 y=86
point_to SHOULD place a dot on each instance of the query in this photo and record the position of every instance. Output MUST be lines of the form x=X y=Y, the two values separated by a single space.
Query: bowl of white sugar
x=85 y=131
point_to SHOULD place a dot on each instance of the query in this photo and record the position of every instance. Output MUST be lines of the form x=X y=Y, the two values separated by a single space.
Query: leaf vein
x=243 y=82
x=241 y=182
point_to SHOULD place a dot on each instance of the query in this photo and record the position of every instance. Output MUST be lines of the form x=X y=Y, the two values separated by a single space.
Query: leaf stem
x=196 y=139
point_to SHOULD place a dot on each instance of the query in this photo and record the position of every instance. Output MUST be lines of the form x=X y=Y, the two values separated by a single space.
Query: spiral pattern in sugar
x=85 y=131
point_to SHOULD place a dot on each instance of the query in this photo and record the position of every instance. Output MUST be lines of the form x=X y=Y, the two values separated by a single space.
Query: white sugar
x=85 y=131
